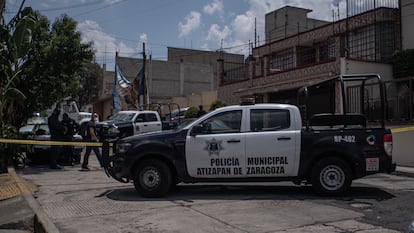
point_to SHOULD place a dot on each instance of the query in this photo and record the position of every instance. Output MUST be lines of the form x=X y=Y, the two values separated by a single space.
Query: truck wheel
x=152 y=178
x=331 y=176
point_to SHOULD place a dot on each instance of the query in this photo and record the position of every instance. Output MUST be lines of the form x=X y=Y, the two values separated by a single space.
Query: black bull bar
x=108 y=162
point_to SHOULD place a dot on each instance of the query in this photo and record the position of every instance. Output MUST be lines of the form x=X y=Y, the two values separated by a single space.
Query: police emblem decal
x=213 y=147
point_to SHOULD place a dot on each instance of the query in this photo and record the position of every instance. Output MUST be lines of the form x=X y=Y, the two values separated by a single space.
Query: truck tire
x=331 y=176
x=152 y=178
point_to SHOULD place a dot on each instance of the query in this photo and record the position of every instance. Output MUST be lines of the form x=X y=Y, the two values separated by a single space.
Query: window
x=283 y=60
x=226 y=122
x=146 y=117
x=151 y=117
x=269 y=120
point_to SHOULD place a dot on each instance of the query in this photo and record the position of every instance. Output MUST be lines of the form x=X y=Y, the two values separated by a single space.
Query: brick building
x=363 y=42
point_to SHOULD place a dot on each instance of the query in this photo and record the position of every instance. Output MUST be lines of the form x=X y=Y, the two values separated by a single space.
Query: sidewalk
x=19 y=210
x=21 y=213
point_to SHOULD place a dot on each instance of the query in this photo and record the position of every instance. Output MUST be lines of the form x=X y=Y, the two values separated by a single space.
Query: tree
x=14 y=41
x=403 y=63
x=40 y=65
x=15 y=38
x=53 y=65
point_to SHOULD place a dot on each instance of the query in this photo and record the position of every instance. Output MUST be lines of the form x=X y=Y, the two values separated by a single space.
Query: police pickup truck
x=257 y=143
x=128 y=123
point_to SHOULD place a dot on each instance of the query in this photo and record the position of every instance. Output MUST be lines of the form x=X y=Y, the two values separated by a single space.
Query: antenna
x=255 y=32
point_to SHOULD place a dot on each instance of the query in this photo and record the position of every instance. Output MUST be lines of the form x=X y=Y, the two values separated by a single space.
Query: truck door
x=146 y=122
x=271 y=145
x=218 y=148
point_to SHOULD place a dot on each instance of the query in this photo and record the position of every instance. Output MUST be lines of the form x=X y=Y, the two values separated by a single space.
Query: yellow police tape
x=50 y=143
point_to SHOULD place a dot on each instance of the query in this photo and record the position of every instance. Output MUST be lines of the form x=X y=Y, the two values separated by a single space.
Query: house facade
x=361 y=43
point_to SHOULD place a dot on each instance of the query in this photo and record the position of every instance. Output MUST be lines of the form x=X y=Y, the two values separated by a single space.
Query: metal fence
x=234 y=72
x=399 y=104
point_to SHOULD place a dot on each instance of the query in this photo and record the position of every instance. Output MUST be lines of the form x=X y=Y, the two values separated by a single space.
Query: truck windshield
x=122 y=116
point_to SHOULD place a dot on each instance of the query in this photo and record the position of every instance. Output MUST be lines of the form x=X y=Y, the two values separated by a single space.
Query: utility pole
x=141 y=95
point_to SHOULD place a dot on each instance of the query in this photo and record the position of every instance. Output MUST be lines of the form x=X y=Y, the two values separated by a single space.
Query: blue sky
x=123 y=25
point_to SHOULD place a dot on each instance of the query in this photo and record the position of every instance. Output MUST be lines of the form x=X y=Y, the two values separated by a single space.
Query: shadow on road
x=249 y=192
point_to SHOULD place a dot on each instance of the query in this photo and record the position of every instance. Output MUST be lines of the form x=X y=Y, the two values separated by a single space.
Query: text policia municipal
x=267 y=165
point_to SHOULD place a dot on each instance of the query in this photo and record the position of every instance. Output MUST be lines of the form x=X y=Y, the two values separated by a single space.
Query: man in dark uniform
x=91 y=136
x=56 y=134
x=200 y=111
x=71 y=127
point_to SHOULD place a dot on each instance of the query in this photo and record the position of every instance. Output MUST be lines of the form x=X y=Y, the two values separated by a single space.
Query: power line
x=100 y=8
x=66 y=7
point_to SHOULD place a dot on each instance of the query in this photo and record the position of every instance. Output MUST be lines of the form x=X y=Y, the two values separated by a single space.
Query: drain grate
x=84 y=208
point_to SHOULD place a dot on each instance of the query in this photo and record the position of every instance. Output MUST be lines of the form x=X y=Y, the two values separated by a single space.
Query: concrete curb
x=42 y=223
x=404 y=171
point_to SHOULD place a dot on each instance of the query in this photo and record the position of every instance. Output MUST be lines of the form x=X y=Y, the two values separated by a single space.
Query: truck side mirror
x=201 y=129
x=197 y=129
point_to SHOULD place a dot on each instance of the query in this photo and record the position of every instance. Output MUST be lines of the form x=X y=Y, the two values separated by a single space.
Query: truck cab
x=128 y=123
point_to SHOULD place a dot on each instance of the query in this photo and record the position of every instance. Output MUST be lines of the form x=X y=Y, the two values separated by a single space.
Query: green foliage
x=7 y=151
x=40 y=65
x=216 y=104
x=191 y=112
x=22 y=34
x=53 y=66
x=403 y=64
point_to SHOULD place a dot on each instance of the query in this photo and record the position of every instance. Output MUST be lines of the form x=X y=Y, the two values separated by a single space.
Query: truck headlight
x=122 y=148
x=113 y=130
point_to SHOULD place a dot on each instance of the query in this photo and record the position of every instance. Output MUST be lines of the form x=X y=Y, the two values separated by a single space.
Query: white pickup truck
x=127 y=123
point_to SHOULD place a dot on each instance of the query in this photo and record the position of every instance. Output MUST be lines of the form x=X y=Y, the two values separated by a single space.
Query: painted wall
x=407 y=17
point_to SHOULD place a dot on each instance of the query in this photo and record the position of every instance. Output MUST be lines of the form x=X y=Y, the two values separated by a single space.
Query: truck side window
x=146 y=117
x=151 y=117
x=269 y=119
x=226 y=122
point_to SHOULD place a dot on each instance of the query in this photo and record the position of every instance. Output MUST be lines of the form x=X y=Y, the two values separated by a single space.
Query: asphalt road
x=78 y=201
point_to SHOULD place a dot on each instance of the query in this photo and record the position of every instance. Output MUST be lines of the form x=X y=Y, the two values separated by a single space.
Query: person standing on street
x=91 y=137
x=200 y=111
x=56 y=134
x=71 y=127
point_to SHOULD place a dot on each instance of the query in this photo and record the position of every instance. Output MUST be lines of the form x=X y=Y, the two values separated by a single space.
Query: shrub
x=191 y=112
x=7 y=151
x=216 y=104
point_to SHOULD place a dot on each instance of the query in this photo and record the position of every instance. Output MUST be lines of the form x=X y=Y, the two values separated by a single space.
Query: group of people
x=64 y=131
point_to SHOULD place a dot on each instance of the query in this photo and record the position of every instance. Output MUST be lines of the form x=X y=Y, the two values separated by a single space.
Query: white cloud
x=105 y=45
x=192 y=22
x=243 y=25
x=110 y=2
x=216 y=34
x=143 y=38
x=215 y=6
